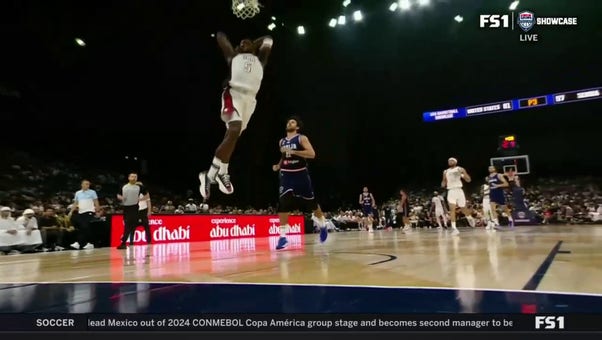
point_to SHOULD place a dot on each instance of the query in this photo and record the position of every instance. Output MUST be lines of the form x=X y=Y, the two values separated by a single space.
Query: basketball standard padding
x=245 y=9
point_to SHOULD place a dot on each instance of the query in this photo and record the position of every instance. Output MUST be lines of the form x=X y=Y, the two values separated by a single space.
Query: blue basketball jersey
x=292 y=162
x=366 y=200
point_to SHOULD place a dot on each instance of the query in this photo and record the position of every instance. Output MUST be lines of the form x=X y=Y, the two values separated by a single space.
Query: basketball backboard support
x=520 y=164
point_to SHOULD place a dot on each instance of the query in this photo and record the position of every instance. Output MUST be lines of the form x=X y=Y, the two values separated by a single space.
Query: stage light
x=342 y=20
x=273 y=18
x=405 y=5
x=459 y=18
x=346 y=3
x=514 y=5
x=332 y=22
x=424 y=2
x=271 y=26
x=80 y=42
x=393 y=7
x=357 y=16
x=301 y=30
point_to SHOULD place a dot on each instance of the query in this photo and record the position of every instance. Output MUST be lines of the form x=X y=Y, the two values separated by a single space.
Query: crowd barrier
x=198 y=228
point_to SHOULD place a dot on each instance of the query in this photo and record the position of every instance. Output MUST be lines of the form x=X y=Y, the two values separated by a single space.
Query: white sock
x=223 y=169
x=215 y=166
x=284 y=230
x=453 y=225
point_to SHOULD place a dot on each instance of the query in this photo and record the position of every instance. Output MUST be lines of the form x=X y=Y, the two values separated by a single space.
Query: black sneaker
x=122 y=246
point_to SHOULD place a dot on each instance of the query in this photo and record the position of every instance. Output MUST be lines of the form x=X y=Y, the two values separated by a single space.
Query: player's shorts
x=486 y=206
x=296 y=191
x=367 y=210
x=237 y=106
x=296 y=182
x=456 y=196
x=498 y=197
x=405 y=212
x=439 y=212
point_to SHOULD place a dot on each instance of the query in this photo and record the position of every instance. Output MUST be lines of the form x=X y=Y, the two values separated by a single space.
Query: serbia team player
x=497 y=184
x=368 y=206
x=452 y=181
x=296 y=190
x=238 y=104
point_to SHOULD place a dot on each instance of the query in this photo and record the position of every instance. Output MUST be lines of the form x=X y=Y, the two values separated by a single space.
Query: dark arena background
x=387 y=90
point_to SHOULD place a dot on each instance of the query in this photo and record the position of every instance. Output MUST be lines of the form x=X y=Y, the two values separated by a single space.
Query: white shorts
x=439 y=212
x=486 y=206
x=456 y=196
x=237 y=106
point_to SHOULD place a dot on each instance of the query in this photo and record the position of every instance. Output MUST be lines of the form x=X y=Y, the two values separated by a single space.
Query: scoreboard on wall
x=513 y=105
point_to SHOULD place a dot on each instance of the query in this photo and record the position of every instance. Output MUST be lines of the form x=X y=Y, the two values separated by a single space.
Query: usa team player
x=296 y=190
x=246 y=63
x=452 y=181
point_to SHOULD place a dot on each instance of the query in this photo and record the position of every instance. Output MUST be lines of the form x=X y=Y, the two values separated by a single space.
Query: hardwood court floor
x=544 y=258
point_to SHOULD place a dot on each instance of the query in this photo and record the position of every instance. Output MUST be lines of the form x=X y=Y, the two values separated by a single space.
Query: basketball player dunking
x=368 y=204
x=238 y=104
x=440 y=210
x=497 y=185
x=296 y=190
x=452 y=181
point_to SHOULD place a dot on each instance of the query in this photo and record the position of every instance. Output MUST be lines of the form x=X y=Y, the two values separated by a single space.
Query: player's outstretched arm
x=264 y=48
x=308 y=153
x=225 y=45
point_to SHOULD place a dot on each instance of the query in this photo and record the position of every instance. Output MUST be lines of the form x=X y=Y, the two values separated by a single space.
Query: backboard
x=520 y=164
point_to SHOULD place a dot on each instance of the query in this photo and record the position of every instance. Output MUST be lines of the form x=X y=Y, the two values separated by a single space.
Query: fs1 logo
x=549 y=322
x=494 y=21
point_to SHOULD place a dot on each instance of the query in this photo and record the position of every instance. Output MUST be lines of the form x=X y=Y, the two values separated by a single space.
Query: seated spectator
x=28 y=228
x=10 y=239
x=52 y=233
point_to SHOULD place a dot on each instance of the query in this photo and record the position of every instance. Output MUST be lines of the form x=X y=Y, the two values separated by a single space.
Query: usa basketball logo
x=526 y=20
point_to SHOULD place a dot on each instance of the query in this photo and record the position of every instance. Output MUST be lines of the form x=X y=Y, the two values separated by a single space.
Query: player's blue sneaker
x=511 y=223
x=323 y=234
x=282 y=243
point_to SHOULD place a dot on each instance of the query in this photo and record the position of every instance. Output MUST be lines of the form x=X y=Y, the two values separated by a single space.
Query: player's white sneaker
x=455 y=232
x=225 y=186
x=205 y=187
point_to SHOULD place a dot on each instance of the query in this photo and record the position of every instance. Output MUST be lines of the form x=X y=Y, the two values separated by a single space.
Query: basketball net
x=245 y=9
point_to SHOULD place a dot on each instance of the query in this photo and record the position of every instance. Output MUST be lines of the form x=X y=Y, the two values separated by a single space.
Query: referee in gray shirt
x=130 y=197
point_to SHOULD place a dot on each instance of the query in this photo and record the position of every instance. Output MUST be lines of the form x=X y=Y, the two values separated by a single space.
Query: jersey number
x=248 y=67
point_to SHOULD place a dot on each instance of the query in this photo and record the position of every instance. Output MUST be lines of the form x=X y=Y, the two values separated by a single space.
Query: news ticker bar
x=514 y=104
x=298 y=322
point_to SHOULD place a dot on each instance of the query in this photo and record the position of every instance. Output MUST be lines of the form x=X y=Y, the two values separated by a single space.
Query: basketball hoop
x=245 y=9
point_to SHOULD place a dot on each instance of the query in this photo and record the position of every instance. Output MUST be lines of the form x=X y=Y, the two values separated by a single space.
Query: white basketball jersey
x=454 y=178
x=485 y=191
x=246 y=73
x=437 y=202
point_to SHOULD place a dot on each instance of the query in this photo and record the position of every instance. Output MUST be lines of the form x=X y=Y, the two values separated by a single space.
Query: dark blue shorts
x=498 y=197
x=367 y=210
x=296 y=182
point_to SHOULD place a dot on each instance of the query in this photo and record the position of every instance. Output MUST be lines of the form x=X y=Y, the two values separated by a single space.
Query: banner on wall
x=199 y=228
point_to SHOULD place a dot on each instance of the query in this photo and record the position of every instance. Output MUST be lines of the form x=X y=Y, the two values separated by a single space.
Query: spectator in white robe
x=10 y=238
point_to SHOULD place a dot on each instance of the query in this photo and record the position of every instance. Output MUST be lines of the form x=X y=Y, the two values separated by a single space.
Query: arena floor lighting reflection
x=522 y=270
